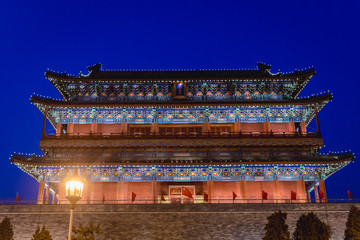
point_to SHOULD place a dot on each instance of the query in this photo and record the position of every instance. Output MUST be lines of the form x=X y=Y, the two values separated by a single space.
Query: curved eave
x=19 y=164
x=320 y=106
x=37 y=162
x=61 y=87
x=29 y=162
x=48 y=116
x=321 y=99
x=295 y=94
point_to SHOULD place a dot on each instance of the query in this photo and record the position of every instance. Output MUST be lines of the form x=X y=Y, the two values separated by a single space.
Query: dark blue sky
x=71 y=35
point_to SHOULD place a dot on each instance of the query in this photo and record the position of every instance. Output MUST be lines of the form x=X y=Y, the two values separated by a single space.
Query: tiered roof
x=300 y=148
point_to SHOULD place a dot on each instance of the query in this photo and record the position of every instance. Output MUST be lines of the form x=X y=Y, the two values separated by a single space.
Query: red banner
x=322 y=195
x=186 y=192
x=17 y=197
x=162 y=198
x=350 y=195
x=206 y=197
x=264 y=195
x=133 y=196
x=293 y=195
x=234 y=196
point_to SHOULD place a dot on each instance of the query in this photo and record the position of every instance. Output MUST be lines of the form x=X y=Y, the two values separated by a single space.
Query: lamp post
x=74 y=191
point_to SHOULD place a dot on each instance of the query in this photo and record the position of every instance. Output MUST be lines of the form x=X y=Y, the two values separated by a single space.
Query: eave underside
x=318 y=101
x=179 y=103
x=61 y=81
x=309 y=169
x=252 y=160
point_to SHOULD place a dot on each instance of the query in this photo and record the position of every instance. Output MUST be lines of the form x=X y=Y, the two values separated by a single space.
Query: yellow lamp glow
x=74 y=190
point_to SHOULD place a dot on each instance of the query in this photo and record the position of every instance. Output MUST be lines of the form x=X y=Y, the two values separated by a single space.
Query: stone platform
x=165 y=221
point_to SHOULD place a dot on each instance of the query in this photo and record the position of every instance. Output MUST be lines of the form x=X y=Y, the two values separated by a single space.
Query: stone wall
x=165 y=221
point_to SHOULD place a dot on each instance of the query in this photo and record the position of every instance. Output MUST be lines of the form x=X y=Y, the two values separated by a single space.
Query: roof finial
x=94 y=68
x=263 y=67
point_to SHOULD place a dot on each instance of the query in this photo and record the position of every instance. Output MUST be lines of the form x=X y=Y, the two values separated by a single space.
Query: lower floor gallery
x=155 y=192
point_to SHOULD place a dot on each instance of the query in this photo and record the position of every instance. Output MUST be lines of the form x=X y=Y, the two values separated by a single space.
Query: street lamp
x=74 y=191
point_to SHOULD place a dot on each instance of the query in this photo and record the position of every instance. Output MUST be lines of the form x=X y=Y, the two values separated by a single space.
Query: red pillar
x=301 y=191
x=58 y=129
x=94 y=127
x=267 y=127
x=317 y=121
x=154 y=191
x=277 y=196
x=323 y=190
x=40 y=199
x=47 y=195
x=237 y=127
x=210 y=186
x=303 y=127
x=44 y=124
x=206 y=128
x=243 y=191
x=316 y=192
x=54 y=199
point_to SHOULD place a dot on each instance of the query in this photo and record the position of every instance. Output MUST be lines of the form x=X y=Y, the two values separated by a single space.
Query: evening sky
x=71 y=35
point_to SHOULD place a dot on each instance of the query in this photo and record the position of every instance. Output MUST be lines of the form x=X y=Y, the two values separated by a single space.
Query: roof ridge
x=96 y=70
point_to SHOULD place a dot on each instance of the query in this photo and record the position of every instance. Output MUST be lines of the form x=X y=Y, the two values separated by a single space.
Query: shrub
x=85 y=233
x=310 y=227
x=276 y=228
x=41 y=235
x=352 y=231
x=6 y=230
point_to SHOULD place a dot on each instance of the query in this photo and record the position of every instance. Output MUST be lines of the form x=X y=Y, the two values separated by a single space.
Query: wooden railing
x=186 y=135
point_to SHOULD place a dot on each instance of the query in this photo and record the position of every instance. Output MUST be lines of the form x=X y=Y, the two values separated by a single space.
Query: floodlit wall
x=165 y=221
x=218 y=192
x=109 y=128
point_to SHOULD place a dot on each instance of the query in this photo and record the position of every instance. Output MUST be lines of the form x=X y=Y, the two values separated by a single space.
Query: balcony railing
x=196 y=200
x=171 y=135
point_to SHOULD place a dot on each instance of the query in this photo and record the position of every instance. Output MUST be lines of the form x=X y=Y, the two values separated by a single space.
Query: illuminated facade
x=222 y=134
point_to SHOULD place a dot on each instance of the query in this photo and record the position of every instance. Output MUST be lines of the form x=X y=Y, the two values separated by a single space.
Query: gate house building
x=220 y=134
